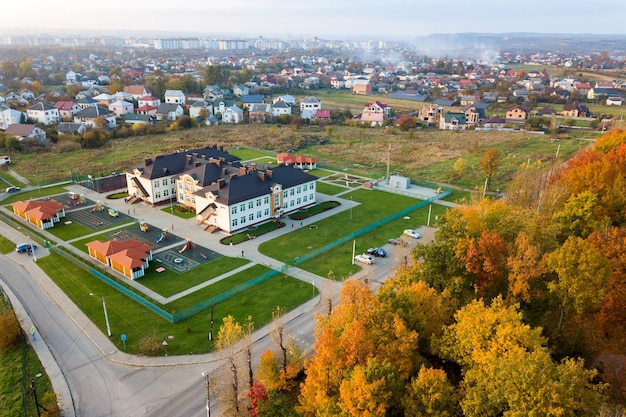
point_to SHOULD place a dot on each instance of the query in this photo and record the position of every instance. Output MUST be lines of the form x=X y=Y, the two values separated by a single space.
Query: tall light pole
x=350 y=197
x=32 y=248
x=106 y=317
x=207 y=383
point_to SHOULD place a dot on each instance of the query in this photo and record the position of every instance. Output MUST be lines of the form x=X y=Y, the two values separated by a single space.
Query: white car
x=412 y=233
x=365 y=259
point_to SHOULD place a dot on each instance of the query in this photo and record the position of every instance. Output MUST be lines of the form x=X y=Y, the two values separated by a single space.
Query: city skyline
x=399 y=19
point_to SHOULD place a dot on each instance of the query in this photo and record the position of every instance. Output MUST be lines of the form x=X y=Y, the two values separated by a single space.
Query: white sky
x=296 y=18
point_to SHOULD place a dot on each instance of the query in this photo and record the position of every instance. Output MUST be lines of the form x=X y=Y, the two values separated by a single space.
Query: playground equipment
x=97 y=207
x=187 y=245
x=163 y=235
x=144 y=226
x=113 y=212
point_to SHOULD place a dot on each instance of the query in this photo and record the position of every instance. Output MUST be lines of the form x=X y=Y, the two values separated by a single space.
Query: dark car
x=379 y=252
x=25 y=247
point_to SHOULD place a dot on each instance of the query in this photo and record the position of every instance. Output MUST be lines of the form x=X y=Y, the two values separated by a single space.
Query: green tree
x=578 y=216
x=431 y=394
x=582 y=274
x=459 y=168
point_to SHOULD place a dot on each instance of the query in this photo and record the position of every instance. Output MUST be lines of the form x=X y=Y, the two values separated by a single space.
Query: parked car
x=25 y=247
x=412 y=233
x=379 y=252
x=397 y=241
x=12 y=189
x=365 y=259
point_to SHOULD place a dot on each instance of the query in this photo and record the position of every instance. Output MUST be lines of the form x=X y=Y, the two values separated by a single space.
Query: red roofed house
x=300 y=162
x=322 y=115
x=375 y=113
x=130 y=258
x=42 y=214
x=67 y=109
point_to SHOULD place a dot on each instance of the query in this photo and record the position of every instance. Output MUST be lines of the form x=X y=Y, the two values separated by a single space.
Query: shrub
x=9 y=328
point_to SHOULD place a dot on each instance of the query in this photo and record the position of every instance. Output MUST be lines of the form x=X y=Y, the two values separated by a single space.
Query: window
x=291 y=204
x=266 y=200
x=251 y=205
x=243 y=219
x=258 y=214
x=157 y=183
x=299 y=201
x=276 y=200
x=251 y=217
x=267 y=212
x=180 y=186
x=172 y=180
x=311 y=186
x=166 y=193
x=305 y=198
x=285 y=194
x=292 y=192
x=164 y=182
x=258 y=202
x=242 y=207
x=298 y=190
x=234 y=222
x=233 y=210
x=311 y=197
x=157 y=195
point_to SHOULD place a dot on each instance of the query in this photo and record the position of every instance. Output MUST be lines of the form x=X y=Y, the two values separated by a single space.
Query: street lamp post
x=350 y=197
x=106 y=317
x=211 y=325
x=32 y=248
x=208 y=393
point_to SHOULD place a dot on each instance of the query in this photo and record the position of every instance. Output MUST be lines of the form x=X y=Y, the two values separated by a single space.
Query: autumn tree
x=486 y=258
x=431 y=394
x=525 y=267
x=459 y=168
x=578 y=217
x=489 y=164
x=9 y=328
x=227 y=342
x=582 y=273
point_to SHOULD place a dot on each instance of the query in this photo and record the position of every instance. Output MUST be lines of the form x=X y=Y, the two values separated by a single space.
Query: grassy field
x=329 y=189
x=11 y=379
x=6 y=246
x=188 y=336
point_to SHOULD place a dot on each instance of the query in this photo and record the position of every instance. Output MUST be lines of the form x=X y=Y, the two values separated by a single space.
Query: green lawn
x=188 y=336
x=11 y=379
x=35 y=194
x=375 y=205
x=168 y=282
x=178 y=211
x=320 y=173
x=4 y=173
x=329 y=189
x=247 y=154
x=252 y=231
x=6 y=245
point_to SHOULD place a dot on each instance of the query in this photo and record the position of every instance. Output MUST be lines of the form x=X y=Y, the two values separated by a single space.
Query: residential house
x=174 y=97
x=260 y=113
x=280 y=107
x=69 y=128
x=96 y=117
x=169 y=111
x=231 y=197
x=71 y=78
x=232 y=114
x=493 y=122
x=120 y=108
x=138 y=118
x=137 y=91
x=130 y=258
x=597 y=93
x=452 y=121
x=576 y=109
x=43 y=214
x=147 y=110
x=308 y=107
x=67 y=109
x=27 y=94
x=43 y=113
x=240 y=90
x=289 y=99
x=120 y=95
x=104 y=99
x=149 y=101
x=9 y=116
x=474 y=113
x=213 y=92
x=374 y=113
x=23 y=132
x=83 y=103
x=296 y=161
x=322 y=115
x=517 y=114
x=154 y=180
x=430 y=113
x=545 y=111
x=200 y=108
x=249 y=99
x=410 y=95
x=361 y=87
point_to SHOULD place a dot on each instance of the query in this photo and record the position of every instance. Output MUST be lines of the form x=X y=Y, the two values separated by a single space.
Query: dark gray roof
x=67 y=127
x=412 y=95
x=93 y=112
x=41 y=106
x=167 y=107
x=239 y=186
x=443 y=102
x=252 y=98
x=180 y=162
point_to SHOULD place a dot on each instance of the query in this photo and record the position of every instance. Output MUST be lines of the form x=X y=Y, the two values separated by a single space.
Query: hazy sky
x=296 y=18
